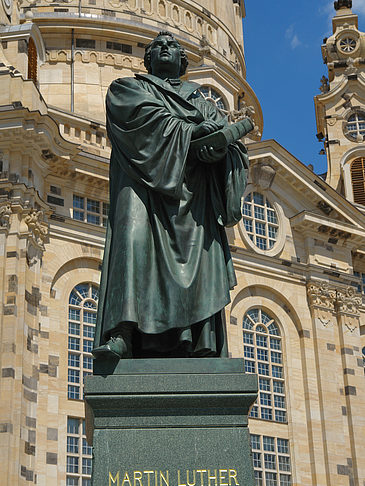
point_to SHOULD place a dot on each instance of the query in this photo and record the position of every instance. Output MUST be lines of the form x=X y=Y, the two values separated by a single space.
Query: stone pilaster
x=348 y=305
x=23 y=234
x=335 y=317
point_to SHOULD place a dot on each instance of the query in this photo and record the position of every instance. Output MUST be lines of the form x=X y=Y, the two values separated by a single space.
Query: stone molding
x=321 y=295
x=328 y=300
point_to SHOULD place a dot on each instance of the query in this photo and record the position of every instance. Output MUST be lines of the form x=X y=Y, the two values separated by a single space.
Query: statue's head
x=165 y=50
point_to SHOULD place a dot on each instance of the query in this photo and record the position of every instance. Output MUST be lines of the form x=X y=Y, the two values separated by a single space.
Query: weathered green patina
x=167 y=267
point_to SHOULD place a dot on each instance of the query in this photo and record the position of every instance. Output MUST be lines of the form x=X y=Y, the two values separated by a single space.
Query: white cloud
x=292 y=37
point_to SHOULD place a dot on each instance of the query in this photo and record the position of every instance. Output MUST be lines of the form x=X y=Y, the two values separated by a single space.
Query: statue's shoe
x=114 y=348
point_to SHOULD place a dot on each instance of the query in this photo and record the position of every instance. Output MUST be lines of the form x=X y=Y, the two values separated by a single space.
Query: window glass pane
x=72 y=464
x=249 y=352
x=74 y=298
x=70 y=481
x=255 y=441
x=263 y=354
x=88 y=346
x=74 y=314
x=88 y=363
x=73 y=392
x=89 y=304
x=74 y=360
x=277 y=371
x=263 y=369
x=93 y=219
x=258 y=478
x=284 y=463
x=285 y=480
x=273 y=329
x=261 y=341
x=249 y=366
x=247 y=338
x=283 y=446
x=86 y=449
x=280 y=416
x=264 y=384
x=74 y=328
x=73 y=425
x=78 y=202
x=258 y=198
x=270 y=462
x=73 y=376
x=90 y=317
x=266 y=413
x=79 y=215
x=279 y=401
x=74 y=343
x=86 y=466
x=278 y=386
x=73 y=444
x=265 y=399
x=275 y=357
x=268 y=443
x=93 y=206
x=275 y=343
x=254 y=413
x=256 y=458
x=271 y=479
x=89 y=331
x=83 y=290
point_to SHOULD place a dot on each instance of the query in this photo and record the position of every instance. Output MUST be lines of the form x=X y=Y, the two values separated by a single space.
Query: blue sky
x=284 y=62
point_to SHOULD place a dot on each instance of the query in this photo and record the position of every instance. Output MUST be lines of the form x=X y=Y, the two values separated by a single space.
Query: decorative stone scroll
x=5 y=213
x=326 y=300
x=37 y=227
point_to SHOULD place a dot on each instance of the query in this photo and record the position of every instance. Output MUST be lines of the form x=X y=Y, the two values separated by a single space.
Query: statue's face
x=165 y=53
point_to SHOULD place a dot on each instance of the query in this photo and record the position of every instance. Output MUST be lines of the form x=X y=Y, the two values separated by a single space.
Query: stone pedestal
x=170 y=422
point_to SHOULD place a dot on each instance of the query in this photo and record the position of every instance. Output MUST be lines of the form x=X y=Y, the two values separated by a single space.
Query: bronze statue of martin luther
x=167 y=269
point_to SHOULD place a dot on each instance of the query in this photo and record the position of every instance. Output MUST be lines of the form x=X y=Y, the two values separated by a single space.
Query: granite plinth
x=171 y=422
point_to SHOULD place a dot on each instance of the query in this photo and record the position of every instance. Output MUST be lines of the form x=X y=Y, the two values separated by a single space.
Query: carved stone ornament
x=321 y=295
x=5 y=213
x=37 y=227
x=204 y=49
x=263 y=174
x=348 y=302
x=8 y=6
x=325 y=87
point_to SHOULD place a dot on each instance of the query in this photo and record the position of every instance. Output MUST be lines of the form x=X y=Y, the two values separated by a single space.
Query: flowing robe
x=167 y=265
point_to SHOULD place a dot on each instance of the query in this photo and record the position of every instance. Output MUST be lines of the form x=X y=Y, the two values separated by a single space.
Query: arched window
x=212 y=95
x=263 y=355
x=358 y=180
x=356 y=126
x=363 y=357
x=32 y=60
x=81 y=328
x=260 y=220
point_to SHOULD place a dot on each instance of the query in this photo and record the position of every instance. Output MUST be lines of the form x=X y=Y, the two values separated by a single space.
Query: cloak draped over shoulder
x=167 y=265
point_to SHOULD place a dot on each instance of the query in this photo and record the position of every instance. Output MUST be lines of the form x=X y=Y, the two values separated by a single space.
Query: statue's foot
x=114 y=348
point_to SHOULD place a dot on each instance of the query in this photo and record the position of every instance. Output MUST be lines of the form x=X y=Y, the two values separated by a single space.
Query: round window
x=260 y=221
x=356 y=126
x=348 y=44
x=210 y=94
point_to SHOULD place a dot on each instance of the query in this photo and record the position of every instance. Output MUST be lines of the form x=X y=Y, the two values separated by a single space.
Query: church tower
x=340 y=109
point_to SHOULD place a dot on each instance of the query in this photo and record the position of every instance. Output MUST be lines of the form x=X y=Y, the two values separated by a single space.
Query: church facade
x=297 y=313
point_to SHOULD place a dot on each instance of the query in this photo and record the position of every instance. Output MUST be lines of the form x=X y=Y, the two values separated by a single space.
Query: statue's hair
x=147 y=54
